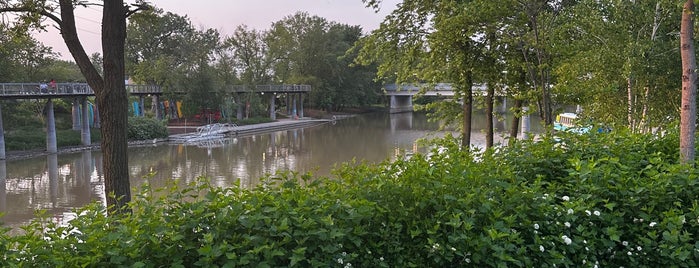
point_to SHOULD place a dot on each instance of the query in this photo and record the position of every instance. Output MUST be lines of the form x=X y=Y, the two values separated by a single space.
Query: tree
x=110 y=90
x=164 y=48
x=688 y=116
x=311 y=50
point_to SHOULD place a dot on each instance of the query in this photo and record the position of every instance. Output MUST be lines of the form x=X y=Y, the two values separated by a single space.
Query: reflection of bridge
x=81 y=91
x=402 y=96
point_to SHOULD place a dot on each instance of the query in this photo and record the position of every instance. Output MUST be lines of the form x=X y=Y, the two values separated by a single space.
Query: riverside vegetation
x=592 y=200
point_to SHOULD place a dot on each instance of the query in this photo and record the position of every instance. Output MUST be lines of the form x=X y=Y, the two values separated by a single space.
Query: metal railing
x=67 y=88
x=14 y=89
x=269 y=88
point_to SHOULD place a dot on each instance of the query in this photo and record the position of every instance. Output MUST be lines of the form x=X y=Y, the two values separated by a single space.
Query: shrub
x=145 y=128
x=627 y=203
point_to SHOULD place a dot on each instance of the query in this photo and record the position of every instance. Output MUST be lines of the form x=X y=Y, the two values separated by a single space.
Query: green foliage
x=146 y=128
x=615 y=199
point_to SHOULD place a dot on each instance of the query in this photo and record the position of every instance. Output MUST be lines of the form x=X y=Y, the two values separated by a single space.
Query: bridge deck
x=34 y=90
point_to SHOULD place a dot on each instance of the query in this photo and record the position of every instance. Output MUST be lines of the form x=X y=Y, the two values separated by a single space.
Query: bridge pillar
x=2 y=138
x=400 y=104
x=525 y=122
x=51 y=145
x=76 y=114
x=301 y=105
x=294 y=97
x=288 y=104
x=141 y=105
x=85 y=132
x=272 y=112
x=156 y=106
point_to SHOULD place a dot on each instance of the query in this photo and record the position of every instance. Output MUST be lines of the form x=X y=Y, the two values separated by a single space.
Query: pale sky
x=226 y=15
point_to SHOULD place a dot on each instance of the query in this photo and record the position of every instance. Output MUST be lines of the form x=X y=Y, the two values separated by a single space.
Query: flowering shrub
x=568 y=201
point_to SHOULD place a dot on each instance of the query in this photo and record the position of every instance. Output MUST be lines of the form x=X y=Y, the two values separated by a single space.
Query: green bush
x=606 y=200
x=145 y=128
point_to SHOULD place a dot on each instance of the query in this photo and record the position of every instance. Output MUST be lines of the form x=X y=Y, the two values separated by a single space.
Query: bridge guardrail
x=83 y=88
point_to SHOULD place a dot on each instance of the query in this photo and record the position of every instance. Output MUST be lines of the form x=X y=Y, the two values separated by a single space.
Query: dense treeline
x=619 y=60
x=164 y=48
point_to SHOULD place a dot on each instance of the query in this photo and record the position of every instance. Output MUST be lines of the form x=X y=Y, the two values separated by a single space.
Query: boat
x=207 y=132
x=569 y=122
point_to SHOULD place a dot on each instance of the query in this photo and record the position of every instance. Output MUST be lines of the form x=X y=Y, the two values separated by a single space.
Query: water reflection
x=60 y=183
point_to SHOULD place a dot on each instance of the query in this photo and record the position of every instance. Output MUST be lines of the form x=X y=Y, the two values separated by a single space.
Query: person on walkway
x=52 y=85
x=43 y=87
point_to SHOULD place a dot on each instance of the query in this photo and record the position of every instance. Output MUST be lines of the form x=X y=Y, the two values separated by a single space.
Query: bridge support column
x=301 y=105
x=156 y=106
x=272 y=112
x=85 y=132
x=51 y=145
x=2 y=138
x=76 y=114
x=400 y=104
x=141 y=105
x=294 y=115
x=525 y=122
x=288 y=104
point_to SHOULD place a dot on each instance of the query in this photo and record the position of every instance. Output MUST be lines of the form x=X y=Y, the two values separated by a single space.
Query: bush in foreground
x=573 y=201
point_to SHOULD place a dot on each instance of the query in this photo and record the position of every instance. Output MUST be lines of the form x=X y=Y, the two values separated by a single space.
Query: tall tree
x=688 y=116
x=110 y=90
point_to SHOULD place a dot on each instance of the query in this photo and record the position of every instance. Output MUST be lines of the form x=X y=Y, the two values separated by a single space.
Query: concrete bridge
x=79 y=92
x=402 y=95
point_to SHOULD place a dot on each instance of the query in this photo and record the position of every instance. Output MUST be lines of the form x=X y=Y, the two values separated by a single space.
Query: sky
x=226 y=15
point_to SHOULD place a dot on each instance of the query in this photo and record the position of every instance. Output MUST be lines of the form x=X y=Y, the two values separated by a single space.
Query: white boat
x=569 y=122
x=207 y=132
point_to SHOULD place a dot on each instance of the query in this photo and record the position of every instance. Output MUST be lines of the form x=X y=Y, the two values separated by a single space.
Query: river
x=63 y=182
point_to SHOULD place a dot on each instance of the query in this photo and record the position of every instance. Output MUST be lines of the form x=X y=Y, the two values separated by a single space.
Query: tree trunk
x=110 y=93
x=489 y=98
x=629 y=100
x=114 y=106
x=514 y=126
x=467 y=108
x=688 y=112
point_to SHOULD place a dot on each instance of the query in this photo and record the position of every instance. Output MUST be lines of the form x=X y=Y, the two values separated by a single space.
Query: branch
x=138 y=7
x=41 y=12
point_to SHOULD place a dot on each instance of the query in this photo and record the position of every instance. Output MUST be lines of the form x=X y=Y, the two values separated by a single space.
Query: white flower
x=584 y=241
x=639 y=248
x=567 y=224
x=381 y=258
x=584 y=261
x=348 y=265
x=435 y=246
x=453 y=249
x=588 y=212
x=566 y=240
x=566 y=198
x=467 y=260
x=629 y=253
x=570 y=211
x=652 y=224
x=536 y=226
x=541 y=248
x=625 y=243
x=339 y=260
x=596 y=213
